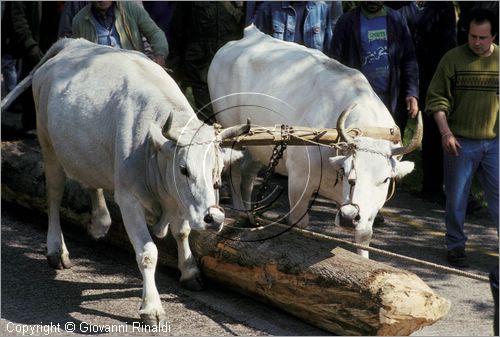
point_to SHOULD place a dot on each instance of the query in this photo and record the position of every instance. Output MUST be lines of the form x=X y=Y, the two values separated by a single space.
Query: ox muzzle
x=349 y=215
x=214 y=219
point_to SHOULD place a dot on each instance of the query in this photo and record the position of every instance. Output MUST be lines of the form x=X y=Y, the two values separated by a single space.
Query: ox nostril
x=208 y=218
x=357 y=218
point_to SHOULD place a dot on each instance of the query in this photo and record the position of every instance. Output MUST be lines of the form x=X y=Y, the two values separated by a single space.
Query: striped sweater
x=465 y=87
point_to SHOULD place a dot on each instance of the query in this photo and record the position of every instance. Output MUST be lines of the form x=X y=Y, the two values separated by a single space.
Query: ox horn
x=235 y=131
x=341 y=121
x=167 y=130
x=415 y=141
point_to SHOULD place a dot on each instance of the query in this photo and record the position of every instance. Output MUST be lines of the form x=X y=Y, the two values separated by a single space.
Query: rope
x=393 y=190
x=436 y=266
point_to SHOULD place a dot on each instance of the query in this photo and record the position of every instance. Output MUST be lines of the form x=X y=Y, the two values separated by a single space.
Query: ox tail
x=26 y=82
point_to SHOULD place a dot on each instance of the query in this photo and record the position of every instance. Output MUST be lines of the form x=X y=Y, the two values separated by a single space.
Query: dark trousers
x=432 y=158
x=494 y=291
x=28 y=118
x=199 y=55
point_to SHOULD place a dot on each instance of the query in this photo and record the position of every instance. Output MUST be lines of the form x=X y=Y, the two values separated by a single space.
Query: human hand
x=412 y=106
x=160 y=59
x=35 y=54
x=450 y=143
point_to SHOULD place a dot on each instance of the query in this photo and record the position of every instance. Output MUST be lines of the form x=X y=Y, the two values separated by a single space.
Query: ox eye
x=184 y=171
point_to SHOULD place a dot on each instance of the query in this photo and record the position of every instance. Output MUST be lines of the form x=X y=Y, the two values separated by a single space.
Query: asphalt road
x=102 y=291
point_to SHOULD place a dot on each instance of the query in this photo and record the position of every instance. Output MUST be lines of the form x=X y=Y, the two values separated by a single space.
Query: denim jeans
x=9 y=72
x=475 y=156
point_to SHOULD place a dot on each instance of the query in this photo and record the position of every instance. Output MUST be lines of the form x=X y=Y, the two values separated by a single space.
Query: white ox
x=272 y=82
x=100 y=115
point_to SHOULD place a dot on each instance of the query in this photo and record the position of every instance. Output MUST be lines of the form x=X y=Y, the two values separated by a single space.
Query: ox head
x=367 y=166
x=190 y=163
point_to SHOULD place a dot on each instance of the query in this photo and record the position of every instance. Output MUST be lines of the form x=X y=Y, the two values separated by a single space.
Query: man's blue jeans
x=475 y=156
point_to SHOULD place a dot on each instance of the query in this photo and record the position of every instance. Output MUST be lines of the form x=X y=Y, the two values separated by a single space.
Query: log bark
x=326 y=286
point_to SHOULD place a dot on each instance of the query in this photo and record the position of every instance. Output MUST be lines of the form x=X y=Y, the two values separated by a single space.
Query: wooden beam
x=299 y=135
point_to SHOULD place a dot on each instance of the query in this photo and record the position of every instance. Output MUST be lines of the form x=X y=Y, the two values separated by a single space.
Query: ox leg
x=300 y=190
x=55 y=178
x=160 y=229
x=242 y=182
x=100 y=219
x=190 y=274
x=146 y=255
x=363 y=238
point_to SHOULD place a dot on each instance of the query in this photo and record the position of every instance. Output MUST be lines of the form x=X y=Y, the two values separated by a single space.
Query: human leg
x=432 y=157
x=488 y=176
x=9 y=72
x=458 y=173
x=28 y=118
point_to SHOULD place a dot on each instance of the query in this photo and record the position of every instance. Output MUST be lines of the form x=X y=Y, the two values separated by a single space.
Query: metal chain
x=276 y=155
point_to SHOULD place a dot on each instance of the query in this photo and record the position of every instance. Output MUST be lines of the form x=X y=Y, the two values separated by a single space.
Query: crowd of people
x=437 y=57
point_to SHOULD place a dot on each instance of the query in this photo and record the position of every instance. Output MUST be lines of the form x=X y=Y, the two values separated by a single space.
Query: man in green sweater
x=463 y=98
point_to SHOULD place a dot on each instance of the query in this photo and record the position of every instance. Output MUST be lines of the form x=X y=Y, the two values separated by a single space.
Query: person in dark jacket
x=375 y=40
x=434 y=33
x=9 y=61
x=71 y=8
x=161 y=12
x=199 y=29
x=33 y=26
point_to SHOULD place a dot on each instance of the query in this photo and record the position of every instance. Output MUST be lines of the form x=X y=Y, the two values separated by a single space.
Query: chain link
x=276 y=155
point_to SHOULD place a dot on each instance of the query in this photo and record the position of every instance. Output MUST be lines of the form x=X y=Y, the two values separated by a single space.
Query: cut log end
x=407 y=304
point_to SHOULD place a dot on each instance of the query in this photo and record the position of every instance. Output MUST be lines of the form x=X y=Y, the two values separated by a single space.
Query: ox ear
x=402 y=168
x=230 y=156
x=337 y=162
x=157 y=140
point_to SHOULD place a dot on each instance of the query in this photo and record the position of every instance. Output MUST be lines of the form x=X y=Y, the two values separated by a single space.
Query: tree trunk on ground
x=336 y=290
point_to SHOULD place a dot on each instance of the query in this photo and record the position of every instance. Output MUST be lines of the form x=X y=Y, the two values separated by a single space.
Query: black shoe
x=457 y=258
x=379 y=220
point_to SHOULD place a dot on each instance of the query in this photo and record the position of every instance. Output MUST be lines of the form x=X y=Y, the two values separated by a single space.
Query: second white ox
x=274 y=82
x=113 y=119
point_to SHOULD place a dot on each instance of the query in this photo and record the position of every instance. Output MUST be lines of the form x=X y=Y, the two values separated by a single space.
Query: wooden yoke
x=299 y=135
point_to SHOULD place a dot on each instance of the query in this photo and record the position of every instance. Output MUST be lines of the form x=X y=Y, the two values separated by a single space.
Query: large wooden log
x=327 y=286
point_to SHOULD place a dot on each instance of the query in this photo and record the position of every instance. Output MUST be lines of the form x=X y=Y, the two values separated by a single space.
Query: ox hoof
x=154 y=319
x=194 y=283
x=98 y=234
x=160 y=231
x=296 y=224
x=58 y=261
x=246 y=220
x=301 y=225
x=98 y=229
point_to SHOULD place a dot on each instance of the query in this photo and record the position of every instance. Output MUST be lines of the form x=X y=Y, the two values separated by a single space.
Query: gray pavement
x=103 y=291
